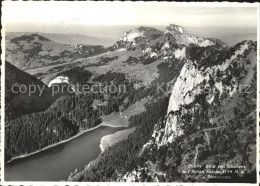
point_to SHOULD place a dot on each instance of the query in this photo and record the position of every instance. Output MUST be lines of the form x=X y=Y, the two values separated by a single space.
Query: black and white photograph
x=157 y=92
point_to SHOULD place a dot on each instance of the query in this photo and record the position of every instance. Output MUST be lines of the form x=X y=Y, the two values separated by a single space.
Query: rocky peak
x=183 y=37
x=147 y=36
x=131 y=35
x=147 y=29
x=197 y=120
x=141 y=32
x=175 y=28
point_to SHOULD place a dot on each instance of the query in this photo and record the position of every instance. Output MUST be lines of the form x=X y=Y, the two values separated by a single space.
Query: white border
x=141 y=3
x=2 y=100
x=257 y=96
x=175 y=4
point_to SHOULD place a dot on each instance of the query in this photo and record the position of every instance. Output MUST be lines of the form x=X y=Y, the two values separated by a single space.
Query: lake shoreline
x=111 y=139
x=121 y=120
x=61 y=142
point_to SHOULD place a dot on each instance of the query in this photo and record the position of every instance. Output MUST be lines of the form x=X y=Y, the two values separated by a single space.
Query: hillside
x=77 y=111
x=34 y=51
x=200 y=111
x=20 y=102
x=205 y=127
x=211 y=111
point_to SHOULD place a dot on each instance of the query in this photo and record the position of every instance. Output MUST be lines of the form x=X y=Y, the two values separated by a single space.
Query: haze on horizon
x=112 y=19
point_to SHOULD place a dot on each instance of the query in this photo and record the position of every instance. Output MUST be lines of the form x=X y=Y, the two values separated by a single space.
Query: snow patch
x=211 y=99
x=130 y=36
x=147 y=50
x=153 y=54
x=166 y=45
x=180 y=53
x=58 y=80
x=219 y=86
x=121 y=49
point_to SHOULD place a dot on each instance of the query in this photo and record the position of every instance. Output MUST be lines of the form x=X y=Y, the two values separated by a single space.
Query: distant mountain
x=143 y=36
x=34 y=50
x=76 y=39
x=235 y=38
x=173 y=42
x=68 y=39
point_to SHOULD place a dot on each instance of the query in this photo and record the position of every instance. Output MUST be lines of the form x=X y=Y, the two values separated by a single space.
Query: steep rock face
x=210 y=114
x=143 y=37
x=164 y=45
x=192 y=82
x=183 y=37
x=176 y=29
x=132 y=35
x=138 y=38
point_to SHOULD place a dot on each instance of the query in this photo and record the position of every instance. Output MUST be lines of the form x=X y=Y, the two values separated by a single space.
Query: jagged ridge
x=194 y=113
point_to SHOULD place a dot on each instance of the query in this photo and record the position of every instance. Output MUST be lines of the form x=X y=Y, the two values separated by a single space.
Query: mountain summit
x=183 y=37
x=175 y=28
x=144 y=36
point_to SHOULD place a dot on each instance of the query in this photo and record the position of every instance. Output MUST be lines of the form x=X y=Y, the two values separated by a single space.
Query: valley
x=165 y=119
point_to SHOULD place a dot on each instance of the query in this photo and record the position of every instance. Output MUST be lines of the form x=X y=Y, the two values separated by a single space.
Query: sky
x=120 y=13
x=230 y=22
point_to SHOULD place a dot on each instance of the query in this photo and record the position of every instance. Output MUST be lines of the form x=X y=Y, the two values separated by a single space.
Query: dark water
x=56 y=163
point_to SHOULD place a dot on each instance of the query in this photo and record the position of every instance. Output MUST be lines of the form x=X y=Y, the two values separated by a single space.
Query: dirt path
x=207 y=136
x=199 y=145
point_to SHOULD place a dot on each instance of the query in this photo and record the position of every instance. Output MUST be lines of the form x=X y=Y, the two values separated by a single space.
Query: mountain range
x=203 y=113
